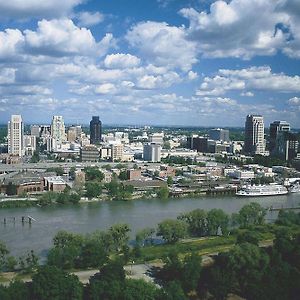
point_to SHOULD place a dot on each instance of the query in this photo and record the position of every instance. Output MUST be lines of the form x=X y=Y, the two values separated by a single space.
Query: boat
x=295 y=188
x=262 y=190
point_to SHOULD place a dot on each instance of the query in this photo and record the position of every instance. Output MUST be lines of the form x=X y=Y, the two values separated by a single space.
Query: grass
x=203 y=246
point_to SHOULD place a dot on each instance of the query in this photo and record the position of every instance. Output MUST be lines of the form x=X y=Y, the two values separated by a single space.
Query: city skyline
x=159 y=62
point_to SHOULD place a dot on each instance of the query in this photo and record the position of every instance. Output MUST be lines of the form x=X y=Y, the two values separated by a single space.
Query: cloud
x=243 y=28
x=121 y=61
x=106 y=88
x=295 y=101
x=88 y=19
x=11 y=40
x=163 y=45
x=160 y=81
x=192 y=75
x=253 y=78
x=61 y=37
x=7 y=76
x=24 y=9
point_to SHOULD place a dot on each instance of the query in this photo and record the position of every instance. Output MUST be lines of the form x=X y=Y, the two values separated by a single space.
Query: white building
x=254 y=135
x=157 y=138
x=152 y=152
x=15 y=129
x=117 y=152
x=29 y=144
x=58 y=132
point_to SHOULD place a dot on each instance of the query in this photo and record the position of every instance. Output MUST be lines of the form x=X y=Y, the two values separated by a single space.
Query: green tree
x=138 y=289
x=53 y=283
x=3 y=255
x=248 y=236
x=172 y=230
x=11 y=189
x=163 y=192
x=248 y=263
x=18 y=290
x=93 y=174
x=35 y=157
x=191 y=270
x=143 y=235
x=169 y=180
x=93 y=189
x=119 y=234
x=123 y=175
x=173 y=291
x=251 y=214
x=196 y=220
x=217 y=219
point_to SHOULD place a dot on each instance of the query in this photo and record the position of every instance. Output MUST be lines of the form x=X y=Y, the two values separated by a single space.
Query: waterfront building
x=58 y=132
x=15 y=136
x=95 y=130
x=287 y=145
x=254 y=135
x=275 y=128
x=152 y=152
x=218 y=134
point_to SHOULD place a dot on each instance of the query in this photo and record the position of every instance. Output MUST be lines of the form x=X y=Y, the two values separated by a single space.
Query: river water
x=85 y=218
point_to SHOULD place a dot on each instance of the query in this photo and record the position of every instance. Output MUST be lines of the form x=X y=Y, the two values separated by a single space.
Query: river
x=85 y=218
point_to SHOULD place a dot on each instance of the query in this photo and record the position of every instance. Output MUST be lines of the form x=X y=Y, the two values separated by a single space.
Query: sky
x=150 y=62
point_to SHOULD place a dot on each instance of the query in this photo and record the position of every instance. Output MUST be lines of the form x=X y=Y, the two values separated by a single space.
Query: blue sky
x=160 y=62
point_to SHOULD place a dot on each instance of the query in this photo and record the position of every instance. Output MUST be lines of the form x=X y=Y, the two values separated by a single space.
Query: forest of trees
x=247 y=268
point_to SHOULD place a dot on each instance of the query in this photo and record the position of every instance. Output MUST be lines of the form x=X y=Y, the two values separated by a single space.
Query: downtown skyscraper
x=254 y=135
x=95 y=130
x=15 y=136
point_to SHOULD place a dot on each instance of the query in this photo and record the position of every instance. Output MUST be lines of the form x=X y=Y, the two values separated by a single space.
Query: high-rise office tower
x=152 y=152
x=254 y=135
x=95 y=130
x=275 y=128
x=58 y=132
x=219 y=134
x=15 y=136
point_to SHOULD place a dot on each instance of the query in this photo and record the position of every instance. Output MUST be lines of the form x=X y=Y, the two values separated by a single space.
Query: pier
x=271 y=208
x=23 y=220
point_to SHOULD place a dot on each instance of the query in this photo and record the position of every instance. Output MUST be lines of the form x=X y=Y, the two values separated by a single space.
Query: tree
x=3 y=255
x=174 y=291
x=251 y=214
x=191 y=271
x=143 y=235
x=248 y=263
x=53 y=283
x=163 y=192
x=123 y=175
x=18 y=290
x=11 y=189
x=172 y=230
x=248 y=236
x=35 y=157
x=217 y=219
x=93 y=189
x=196 y=220
x=108 y=283
x=169 y=180
x=93 y=173
x=72 y=173
x=138 y=289
x=119 y=235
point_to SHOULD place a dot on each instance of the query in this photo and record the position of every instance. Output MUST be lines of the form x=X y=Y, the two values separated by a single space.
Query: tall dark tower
x=95 y=130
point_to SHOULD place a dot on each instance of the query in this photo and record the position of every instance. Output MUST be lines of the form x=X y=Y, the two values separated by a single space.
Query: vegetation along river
x=85 y=218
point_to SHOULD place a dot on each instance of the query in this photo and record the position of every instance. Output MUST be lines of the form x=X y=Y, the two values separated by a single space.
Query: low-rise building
x=89 y=153
x=55 y=184
x=134 y=174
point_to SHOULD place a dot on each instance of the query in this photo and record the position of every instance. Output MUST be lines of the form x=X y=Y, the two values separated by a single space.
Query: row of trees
x=200 y=223
x=91 y=250
x=67 y=196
